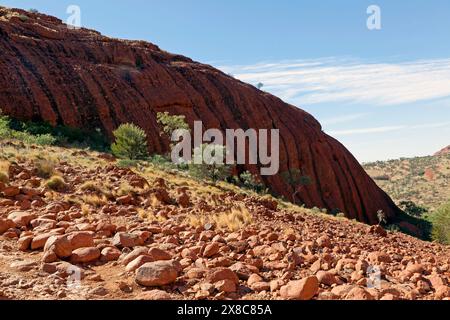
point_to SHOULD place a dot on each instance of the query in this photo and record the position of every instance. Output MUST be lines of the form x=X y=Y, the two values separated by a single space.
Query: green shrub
x=130 y=142
x=64 y=135
x=441 y=224
x=170 y=123
x=412 y=209
x=23 y=18
x=393 y=228
x=252 y=182
x=127 y=163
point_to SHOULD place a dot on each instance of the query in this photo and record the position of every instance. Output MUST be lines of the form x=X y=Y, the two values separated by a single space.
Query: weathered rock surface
x=158 y=273
x=81 y=78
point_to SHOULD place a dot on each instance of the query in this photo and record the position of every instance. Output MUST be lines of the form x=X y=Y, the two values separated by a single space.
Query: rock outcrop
x=82 y=79
x=443 y=152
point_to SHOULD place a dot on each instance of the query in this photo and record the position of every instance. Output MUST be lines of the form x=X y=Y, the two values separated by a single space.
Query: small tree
x=382 y=218
x=213 y=169
x=441 y=224
x=252 y=182
x=130 y=142
x=297 y=181
x=170 y=123
x=412 y=209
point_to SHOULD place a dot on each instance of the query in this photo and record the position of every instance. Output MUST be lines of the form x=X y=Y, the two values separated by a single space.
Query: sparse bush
x=393 y=228
x=297 y=181
x=210 y=168
x=127 y=163
x=32 y=10
x=382 y=218
x=130 y=142
x=412 y=209
x=252 y=182
x=170 y=123
x=56 y=183
x=23 y=18
x=441 y=224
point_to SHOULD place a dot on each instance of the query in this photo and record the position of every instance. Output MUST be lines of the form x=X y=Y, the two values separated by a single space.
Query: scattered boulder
x=110 y=254
x=221 y=273
x=157 y=254
x=154 y=295
x=211 y=249
x=155 y=274
x=85 y=255
x=139 y=261
x=60 y=245
x=6 y=224
x=21 y=218
x=81 y=239
x=304 y=289
x=326 y=278
x=127 y=240
x=358 y=293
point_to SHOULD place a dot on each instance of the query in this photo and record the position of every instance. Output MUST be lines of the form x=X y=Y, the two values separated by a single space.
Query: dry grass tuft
x=150 y=216
x=233 y=220
x=85 y=210
x=125 y=189
x=45 y=168
x=4 y=169
x=56 y=183
x=94 y=200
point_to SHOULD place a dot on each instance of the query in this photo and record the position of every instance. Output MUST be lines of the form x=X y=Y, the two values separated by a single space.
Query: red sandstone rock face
x=83 y=79
x=443 y=152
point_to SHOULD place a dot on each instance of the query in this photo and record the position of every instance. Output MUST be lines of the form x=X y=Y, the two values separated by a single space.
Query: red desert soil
x=152 y=234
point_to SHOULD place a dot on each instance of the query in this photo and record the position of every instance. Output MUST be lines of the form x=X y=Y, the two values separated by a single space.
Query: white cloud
x=384 y=129
x=307 y=82
x=343 y=119
x=365 y=130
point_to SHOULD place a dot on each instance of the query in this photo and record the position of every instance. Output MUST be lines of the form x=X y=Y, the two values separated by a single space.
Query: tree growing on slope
x=130 y=142
x=297 y=181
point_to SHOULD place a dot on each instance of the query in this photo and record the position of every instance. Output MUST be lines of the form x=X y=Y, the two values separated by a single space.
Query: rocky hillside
x=74 y=225
x=423 y=180
x=443 y=152
x=82 y=79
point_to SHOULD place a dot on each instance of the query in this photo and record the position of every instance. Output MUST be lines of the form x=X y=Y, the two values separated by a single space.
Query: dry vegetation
x=201 y=225
x=424 y=180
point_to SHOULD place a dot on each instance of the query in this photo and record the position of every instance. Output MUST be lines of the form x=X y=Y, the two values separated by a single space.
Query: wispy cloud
x=343 y=119
x=349 y=132
x=306 y=82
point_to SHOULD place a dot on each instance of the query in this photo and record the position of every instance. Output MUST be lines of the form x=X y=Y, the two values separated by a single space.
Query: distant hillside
x=423 y=180
x=444 y=151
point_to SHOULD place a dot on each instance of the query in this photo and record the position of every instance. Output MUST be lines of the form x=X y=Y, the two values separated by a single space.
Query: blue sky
x=384 y=93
